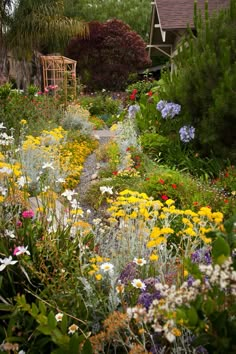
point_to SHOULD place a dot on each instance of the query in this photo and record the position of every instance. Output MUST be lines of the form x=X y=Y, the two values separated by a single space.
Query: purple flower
x=161 y=104
x=202 y=255
x=187 y=133
x=168 y=109
x=129 y=273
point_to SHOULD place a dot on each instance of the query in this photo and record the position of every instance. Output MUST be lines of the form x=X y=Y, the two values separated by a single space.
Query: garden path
x=90 y=171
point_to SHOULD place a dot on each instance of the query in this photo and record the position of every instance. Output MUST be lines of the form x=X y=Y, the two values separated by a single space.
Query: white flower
x=2 y=126
x=105 y=189
x=21 y=250
x=21 y=181
x=5 y=262
x=59 y=316
x=68 y=194
x=107 y=267
x=45 y=189
x=21 y=352
x=10 y=233
x=47 y=165
x=137 y=283
x=72 y=329
x=140 y=261
x=75 y=204
x=60 y=180
x=3 y=191
x=6 y=170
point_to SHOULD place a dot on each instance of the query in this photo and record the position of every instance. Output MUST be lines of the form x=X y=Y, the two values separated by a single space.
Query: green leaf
x=35 y=310
x=220 y=250
x=87 y=348
x=42 y=307
x=75 y=342
x=44 y=329
x=209 y=306
x=52 y=322
x=192 y=316
x=64 y=324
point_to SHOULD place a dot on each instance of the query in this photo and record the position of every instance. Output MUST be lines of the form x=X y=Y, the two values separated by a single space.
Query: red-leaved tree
x=109 y=55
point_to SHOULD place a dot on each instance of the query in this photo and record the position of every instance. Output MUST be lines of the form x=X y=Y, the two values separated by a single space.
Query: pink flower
x=21 y=250
x=39 y=93
x=28 y=214
x=18 y=223
x=46 y=90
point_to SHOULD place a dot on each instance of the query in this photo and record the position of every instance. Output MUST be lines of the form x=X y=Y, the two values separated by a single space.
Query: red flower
x=115 y=173
x=128 y=149
x=132 y=97
x=150 y=93
x=174 y=186
x=195 y=203
x=226 y=174
x=161 y=181
x=226 y=201
x=134 y=91
x=147 y=179
x=164 y=197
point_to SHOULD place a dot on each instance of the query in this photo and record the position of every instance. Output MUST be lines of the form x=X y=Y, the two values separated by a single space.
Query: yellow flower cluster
x=45 y=140
x=164 y=220
x=72 y=157
x=95 y=266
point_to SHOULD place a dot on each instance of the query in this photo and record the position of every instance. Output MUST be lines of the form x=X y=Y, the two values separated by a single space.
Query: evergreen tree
x=204 y=82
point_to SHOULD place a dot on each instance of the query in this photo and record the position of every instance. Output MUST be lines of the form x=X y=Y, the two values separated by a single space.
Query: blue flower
x=187 y=133
x=161 y=104
x=168 y=109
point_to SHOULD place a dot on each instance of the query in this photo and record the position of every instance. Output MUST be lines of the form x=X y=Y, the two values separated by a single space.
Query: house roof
x=177 y=14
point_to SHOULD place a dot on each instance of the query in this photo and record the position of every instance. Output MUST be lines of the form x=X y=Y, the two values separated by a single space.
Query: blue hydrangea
x=168 y=109
x=187 y=133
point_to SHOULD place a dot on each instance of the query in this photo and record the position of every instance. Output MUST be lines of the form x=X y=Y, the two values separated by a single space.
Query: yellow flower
x=189 y=231
x=98 y=276
x=156 y=242
x=185 y=273
x=167 y=230
x=176 y=332
x=23 y=122
x=170 y=202
x=155 y=232
x=153 y=257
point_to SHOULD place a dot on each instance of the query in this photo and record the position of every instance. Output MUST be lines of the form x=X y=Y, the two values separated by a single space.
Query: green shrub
x=101 y=105
x=204 y=83
x=143 y=87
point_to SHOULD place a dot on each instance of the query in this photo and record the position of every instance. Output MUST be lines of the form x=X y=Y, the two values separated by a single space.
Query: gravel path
x=90 y=172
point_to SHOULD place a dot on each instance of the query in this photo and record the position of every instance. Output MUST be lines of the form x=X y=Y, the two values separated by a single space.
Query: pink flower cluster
x=28 y=214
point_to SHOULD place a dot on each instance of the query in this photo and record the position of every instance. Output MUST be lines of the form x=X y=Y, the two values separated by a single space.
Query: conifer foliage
x=204 y=82
x=109 y=55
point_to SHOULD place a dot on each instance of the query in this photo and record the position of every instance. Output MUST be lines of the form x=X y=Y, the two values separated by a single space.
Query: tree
x=6 y=7
x=204 y=83
x=109 y=55
x=135 y=13
x=28 y=25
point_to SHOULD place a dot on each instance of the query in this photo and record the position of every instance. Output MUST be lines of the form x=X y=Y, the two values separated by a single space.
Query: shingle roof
x=176 y=14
